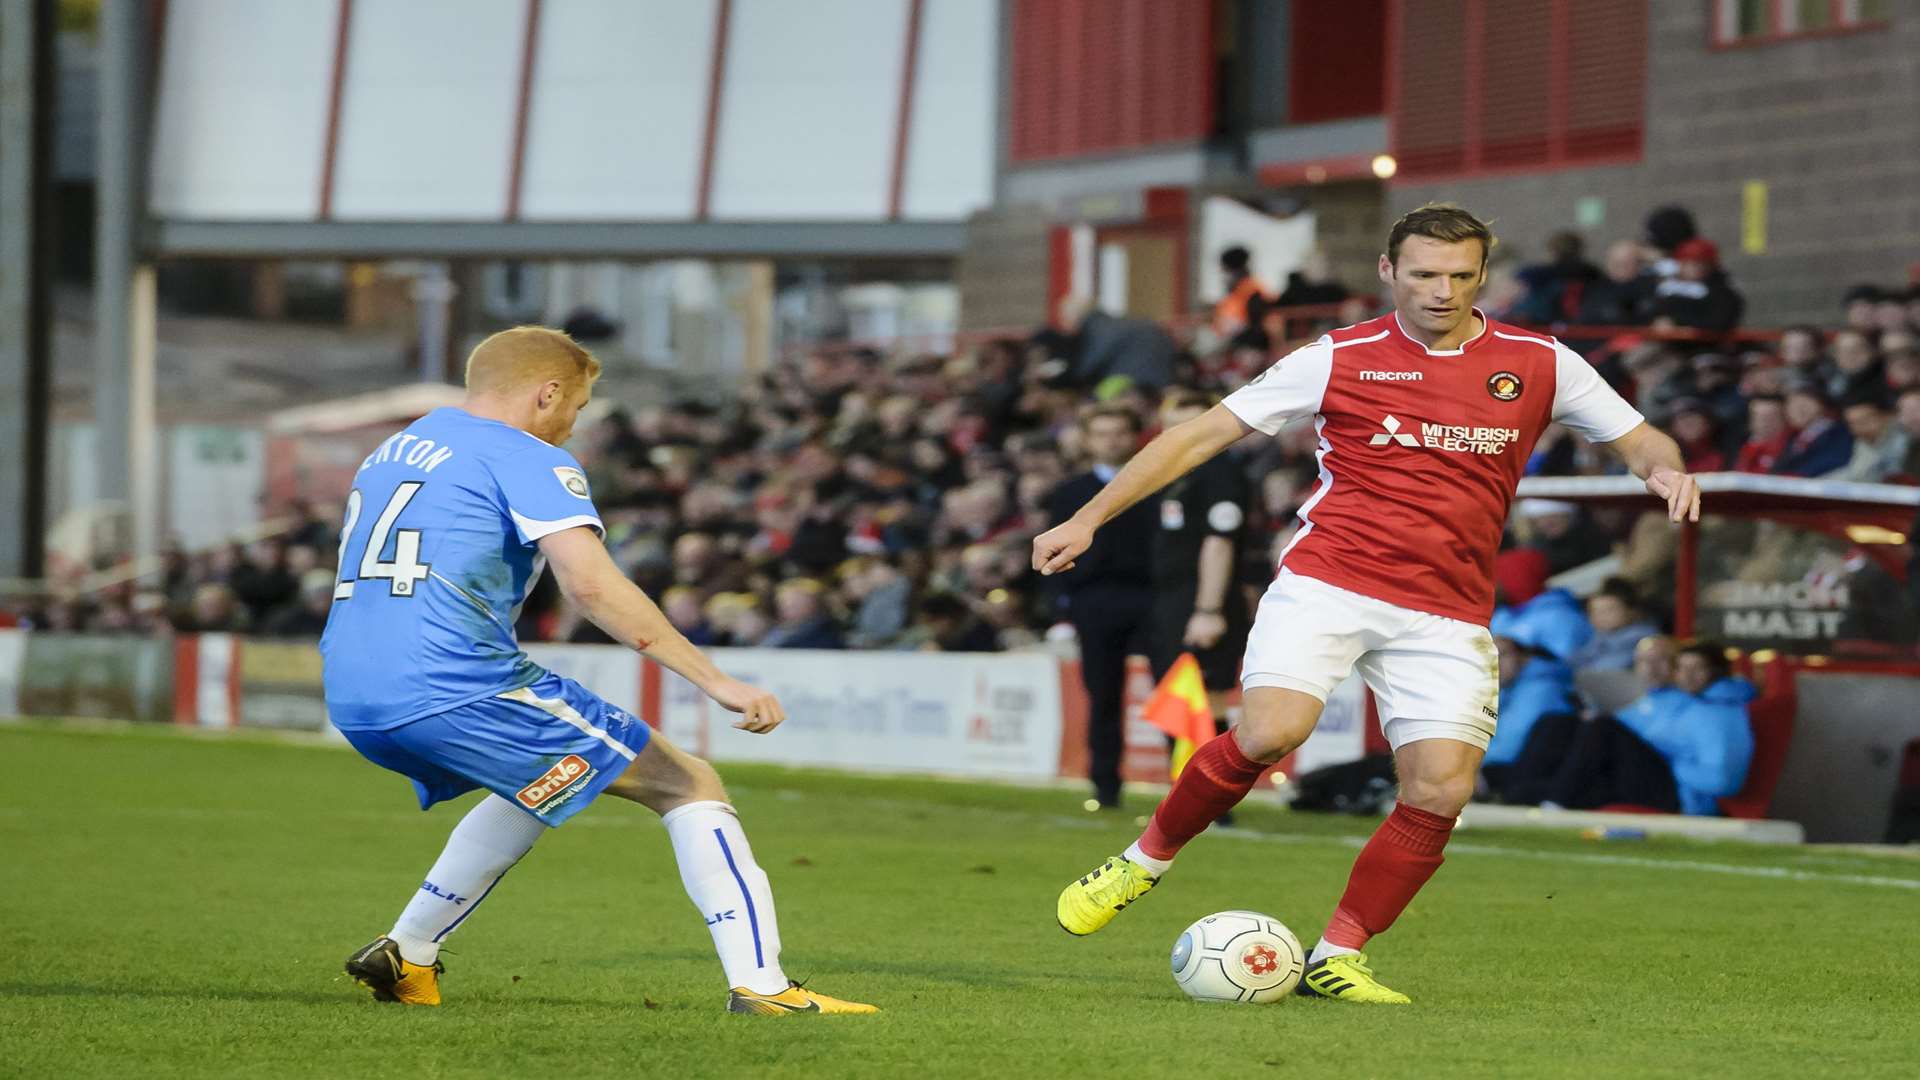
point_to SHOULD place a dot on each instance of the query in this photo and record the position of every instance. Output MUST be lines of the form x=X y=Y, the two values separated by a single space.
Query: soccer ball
x=1238 y=956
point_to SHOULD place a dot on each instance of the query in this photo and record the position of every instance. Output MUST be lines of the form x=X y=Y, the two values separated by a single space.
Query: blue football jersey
x=437 y=553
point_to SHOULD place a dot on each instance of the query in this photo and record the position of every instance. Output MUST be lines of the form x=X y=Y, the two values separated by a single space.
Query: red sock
x=1403 y=854
x=1216 y=778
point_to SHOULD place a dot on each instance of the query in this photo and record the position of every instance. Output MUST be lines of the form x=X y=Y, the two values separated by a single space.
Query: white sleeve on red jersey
x=1583 y=401
x=1292 y=386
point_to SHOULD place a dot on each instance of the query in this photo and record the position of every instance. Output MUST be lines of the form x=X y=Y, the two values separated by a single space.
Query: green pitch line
x=177 y=906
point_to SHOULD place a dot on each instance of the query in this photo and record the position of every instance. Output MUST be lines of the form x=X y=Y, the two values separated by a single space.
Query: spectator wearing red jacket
x=1766 y=434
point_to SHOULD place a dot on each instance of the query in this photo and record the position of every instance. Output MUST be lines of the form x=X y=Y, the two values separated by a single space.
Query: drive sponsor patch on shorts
x=566 y=774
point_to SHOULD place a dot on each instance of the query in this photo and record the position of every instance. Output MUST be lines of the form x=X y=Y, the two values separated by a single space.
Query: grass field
x=173 y=905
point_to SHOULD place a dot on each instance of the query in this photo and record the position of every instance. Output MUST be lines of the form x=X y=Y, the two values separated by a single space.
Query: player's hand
x=1055 y=549
x=1204 y=629
x=1681 y=491
x=760 y=711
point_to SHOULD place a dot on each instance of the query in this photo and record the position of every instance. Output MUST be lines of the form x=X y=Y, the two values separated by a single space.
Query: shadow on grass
x=341 y=994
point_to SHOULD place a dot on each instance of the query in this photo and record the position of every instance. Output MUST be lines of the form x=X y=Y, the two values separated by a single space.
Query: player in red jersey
x=1426 y=417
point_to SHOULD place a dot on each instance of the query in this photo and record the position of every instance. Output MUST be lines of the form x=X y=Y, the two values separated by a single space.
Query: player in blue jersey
x=448 y=525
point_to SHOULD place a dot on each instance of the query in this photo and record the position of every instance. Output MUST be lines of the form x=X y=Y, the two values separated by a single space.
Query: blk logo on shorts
x=719 y=917
x=566 y=772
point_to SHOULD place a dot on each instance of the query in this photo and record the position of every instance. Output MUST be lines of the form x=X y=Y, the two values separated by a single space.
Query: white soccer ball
x=1238 y=956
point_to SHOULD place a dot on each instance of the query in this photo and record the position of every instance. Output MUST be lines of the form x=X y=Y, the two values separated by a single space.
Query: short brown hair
x=1440 y=221
x=526 y=356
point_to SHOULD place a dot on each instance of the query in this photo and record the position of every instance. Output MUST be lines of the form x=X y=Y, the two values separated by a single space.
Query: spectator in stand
x=1762 y=374
x=1699 y=294
x=803 y=621
x=1706 y=737
x=1902 y=363
x=1618 y=628
x=1716 y=383
x=1561 y=532
x=1113 y=351
x=215 y=610
x=1819 y=444
x=1236 y=316
x=1555 y=288
x=307 y=615
x=1660 y=377
x=1802 y=349
x=1667 y=227
x=1696 y=430
x=1856 y=366
x=1550 y=623
x=1767 y=434
x=1621 y=296
x=1880 y=446
x=1678 y=748
x=948 y=624
x=683 y=608
x=881 y=593
x=1862 y=304
x=262 y=580
x=1907 y=416
x=1533 y=683
x=1313 y=284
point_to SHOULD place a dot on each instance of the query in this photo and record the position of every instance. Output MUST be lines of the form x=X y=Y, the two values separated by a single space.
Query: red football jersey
x=1420 y=450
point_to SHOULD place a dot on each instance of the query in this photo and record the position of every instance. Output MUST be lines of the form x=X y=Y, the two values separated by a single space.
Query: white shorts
x=1434 y=677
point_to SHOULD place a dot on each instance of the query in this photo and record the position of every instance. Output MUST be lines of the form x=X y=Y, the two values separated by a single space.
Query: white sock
x=731 y=891
x=484 y=846
x=1155 y=866
x=1327 y=948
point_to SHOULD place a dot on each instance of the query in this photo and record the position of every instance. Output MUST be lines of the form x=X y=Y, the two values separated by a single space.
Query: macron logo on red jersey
x=1392 y=376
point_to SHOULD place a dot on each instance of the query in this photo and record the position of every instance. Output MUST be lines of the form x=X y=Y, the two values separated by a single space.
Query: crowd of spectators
x=850 y=499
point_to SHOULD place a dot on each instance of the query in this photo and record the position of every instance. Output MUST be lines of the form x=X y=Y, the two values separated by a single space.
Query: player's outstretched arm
x=591 y=580
x=1172 y=454
x=1653 y=456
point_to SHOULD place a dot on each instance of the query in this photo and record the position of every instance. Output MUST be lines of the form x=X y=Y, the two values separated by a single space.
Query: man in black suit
x=1108 y=595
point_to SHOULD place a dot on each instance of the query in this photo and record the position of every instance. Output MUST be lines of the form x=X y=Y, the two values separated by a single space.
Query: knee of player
x=1443 y=795
x=703 y=782
x=1267 y=738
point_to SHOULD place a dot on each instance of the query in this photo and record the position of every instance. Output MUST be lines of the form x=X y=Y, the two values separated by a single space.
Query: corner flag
x=1178 y=706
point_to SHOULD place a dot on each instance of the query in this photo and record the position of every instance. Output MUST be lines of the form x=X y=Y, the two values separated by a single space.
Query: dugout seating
x=1770 y=716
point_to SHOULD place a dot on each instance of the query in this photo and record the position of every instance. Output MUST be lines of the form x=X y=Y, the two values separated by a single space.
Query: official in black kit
x=1108 y=595
x=1200 y=527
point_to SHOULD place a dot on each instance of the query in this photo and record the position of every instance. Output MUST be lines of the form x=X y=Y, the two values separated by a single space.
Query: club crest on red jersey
x=1504 y=385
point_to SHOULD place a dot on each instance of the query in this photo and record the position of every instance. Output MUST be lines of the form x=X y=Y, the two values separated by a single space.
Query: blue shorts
x=548 y=748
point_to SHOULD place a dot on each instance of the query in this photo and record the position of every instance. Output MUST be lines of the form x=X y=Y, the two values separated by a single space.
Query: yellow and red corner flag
x=1178 y=706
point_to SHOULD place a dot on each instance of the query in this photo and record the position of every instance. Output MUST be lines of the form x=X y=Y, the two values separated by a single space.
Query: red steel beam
x=516 y=167
x=903 y=124
x=343 y=25
x=716 y=82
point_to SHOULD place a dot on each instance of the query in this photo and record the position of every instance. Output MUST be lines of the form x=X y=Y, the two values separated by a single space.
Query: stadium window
x=1762 y=22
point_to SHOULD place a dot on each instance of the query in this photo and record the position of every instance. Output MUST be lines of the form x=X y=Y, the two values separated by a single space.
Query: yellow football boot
x=380 y=968
x=1091 y=902
x=794 y=999
x=1346 y=977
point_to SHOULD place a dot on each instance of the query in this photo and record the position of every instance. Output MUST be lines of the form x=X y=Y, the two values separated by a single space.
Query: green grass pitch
x=179 y=906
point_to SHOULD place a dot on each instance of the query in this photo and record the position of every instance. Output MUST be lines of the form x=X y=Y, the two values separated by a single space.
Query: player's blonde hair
x=528 y=356
x=1444 y=222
